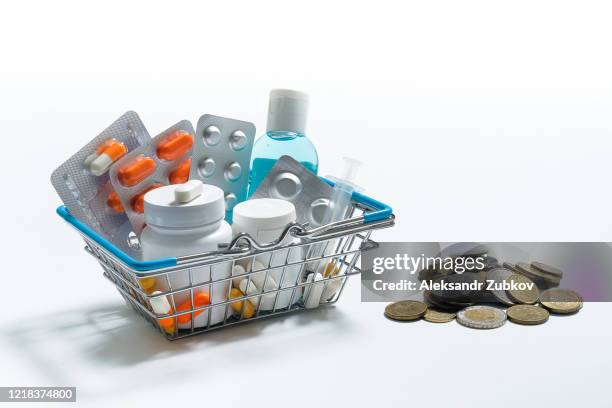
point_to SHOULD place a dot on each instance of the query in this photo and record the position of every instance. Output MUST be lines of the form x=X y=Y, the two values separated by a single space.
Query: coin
x=527 y=314
x=431 y=299
x=481 y=317
x=535 y=274
x=499 y=276
x=469 y=287
x=548 y=269
x=479 y=251
x=405 y=310
x=562 y=301
x=529 y=295
x=491 y=262
x=432 y=274
x=438 y=316
x=510 y=266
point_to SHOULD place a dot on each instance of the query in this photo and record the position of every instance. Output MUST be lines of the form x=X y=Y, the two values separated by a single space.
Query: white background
x=486 y=121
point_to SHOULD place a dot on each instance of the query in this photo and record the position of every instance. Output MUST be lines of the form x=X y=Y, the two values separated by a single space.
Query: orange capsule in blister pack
x=109 y=152
x=114 y=203
x=138 y=199
x=136 y=170
x=174 y=145
x=180 y=175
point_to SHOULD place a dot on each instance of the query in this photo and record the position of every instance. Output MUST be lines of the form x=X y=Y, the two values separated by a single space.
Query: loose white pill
x=160 y=305
x=314 y=291
x=331 y=289
x=188 y=191
x=237 y=270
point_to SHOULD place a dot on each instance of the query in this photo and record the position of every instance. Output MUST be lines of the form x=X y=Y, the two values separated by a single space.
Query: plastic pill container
x=186 y=219
x=265 y=219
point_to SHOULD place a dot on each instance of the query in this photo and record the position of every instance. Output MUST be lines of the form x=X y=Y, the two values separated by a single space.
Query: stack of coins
x=522 y=293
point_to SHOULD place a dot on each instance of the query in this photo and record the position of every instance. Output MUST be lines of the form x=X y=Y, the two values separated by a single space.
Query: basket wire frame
x=336 y=254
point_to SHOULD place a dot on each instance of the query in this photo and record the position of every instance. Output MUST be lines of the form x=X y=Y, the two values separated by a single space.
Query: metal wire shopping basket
x=334 y=249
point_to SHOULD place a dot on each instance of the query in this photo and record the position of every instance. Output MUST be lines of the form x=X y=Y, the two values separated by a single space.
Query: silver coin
x=481 y=317
x=499 y=276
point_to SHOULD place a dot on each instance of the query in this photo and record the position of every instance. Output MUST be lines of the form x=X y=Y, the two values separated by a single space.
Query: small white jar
x=186 y=219
x=265 y=219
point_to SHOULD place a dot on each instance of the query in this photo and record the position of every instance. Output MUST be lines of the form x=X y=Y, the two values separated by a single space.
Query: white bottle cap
x=188 y=205
x=262 y=214
x=287 y=111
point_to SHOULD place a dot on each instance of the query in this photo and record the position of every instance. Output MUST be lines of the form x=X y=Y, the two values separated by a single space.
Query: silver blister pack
x=289 y=180
x=221 y=157
x=165 y=160
x=87 y=193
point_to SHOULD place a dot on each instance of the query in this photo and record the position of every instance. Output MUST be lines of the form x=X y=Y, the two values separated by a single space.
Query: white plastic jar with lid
x=186 y=219
x=265 y=219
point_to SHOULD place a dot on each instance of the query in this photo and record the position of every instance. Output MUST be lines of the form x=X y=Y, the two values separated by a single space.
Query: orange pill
x=138 y=199
x=136 y=170
x=114 y=203
x=180 y=175
x=199 y=299
x=114 y=149
x=167 y=324
x=174 y=145
x=109 y=152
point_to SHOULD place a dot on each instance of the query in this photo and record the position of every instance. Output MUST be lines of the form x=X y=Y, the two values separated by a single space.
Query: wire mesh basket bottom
x=203 y=296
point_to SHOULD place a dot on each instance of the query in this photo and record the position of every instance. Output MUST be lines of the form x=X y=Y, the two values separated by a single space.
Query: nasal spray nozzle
x=337 y=209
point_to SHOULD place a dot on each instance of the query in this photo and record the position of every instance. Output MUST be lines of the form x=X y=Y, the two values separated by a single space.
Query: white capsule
x=160 y=305
x=100 y=164
x=267 y=300
x=89 y=159
x=314 y=292
x=331 y=289
x=237 y=270
x=259 y=278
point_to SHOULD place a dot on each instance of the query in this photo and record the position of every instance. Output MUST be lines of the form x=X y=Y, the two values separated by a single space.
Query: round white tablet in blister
x=286 y=186
x=318 y=210
x=238 y=140
x=212 y=135
x=233 y=171
x=206 y=167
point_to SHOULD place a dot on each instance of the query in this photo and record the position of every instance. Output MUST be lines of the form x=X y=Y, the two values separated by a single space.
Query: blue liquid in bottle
x=274 y=144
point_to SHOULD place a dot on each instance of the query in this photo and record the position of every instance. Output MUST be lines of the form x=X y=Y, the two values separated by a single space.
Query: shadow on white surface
x=110 y=347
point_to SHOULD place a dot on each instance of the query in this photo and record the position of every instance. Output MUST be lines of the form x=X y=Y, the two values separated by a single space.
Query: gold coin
x=527 y=314
x=405 y=310
x=527 y=293
x=438 y=316
x=562 y=301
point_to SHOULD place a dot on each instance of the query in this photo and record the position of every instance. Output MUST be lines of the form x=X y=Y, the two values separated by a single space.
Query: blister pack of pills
x=165 y=160
x=83 y=181
x=289 y=180
x=221 y=157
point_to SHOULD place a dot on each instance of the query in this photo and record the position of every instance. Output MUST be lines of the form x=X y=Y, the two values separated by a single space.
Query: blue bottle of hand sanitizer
x=285 y=135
